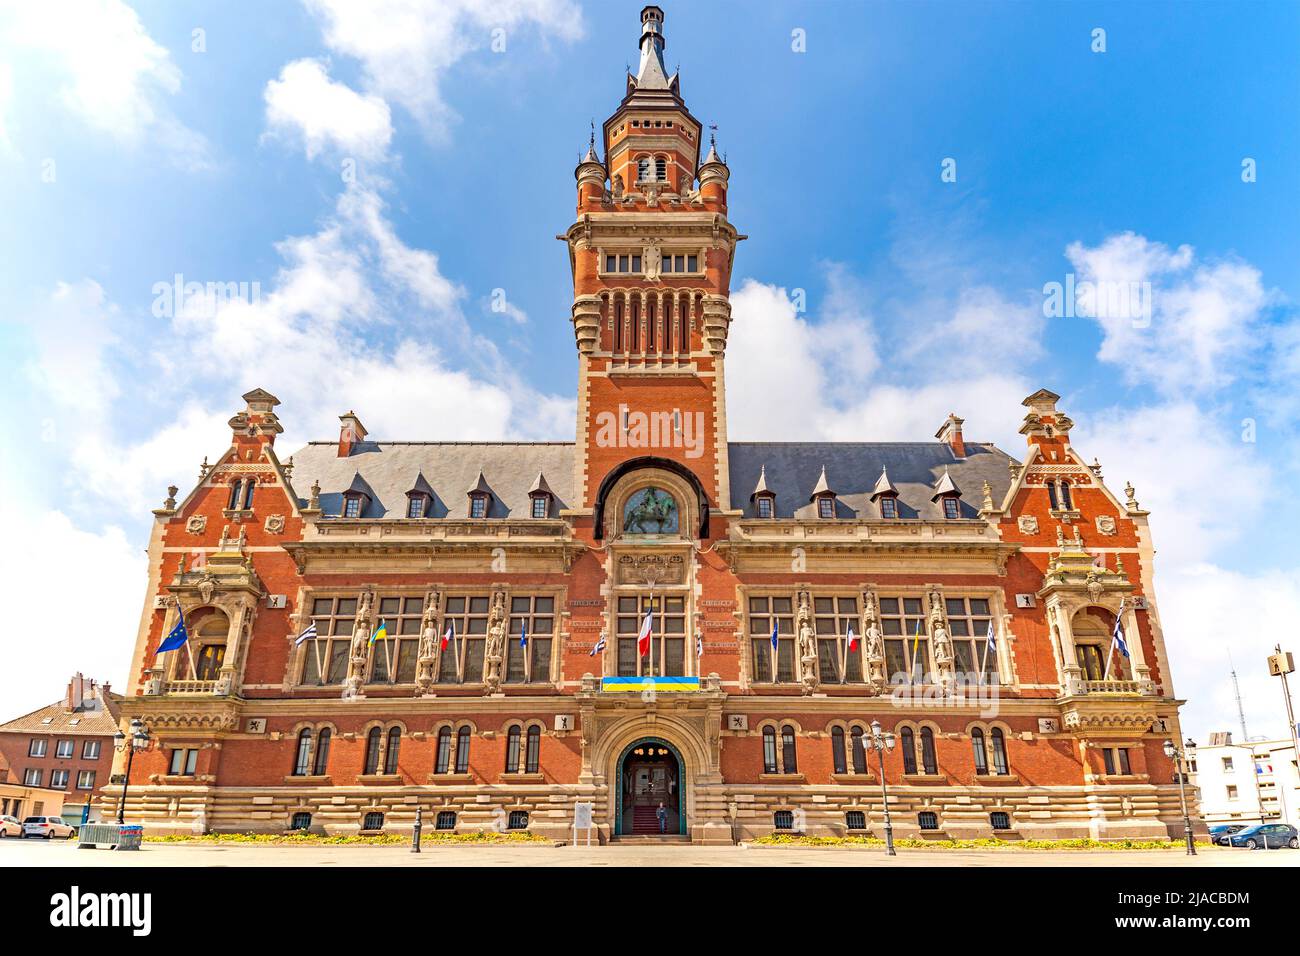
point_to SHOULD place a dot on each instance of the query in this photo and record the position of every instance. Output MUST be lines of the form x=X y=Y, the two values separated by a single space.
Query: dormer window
x=478 y=506
x=826 y=506
x=352 y=506
x=951 y=509
x=763 y=497
x=765 y=505
x=357 y=497
x=947 y=495
x=419 y=498
x=539 y=497
x=888 y=507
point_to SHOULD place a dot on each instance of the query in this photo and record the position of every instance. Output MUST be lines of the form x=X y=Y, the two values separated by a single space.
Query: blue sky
x=127 y=162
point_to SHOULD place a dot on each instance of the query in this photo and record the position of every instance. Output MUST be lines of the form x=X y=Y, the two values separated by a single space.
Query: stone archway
x=650 y=773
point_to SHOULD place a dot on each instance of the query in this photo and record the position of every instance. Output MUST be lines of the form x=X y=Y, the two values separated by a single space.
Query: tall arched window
x=1054 y=496
x=462 y=750
x=373 y=740
x=534 y=749
x=661 y=169
x=1066 y=502
x=321 y=764
x=235 y=487
x=302 y=763
x=927 y=751
x=981 y=756
x=859 y=751
x=394 y=745
x=769 y=749
x=1000 y=765
x=249 y=485
x=908 y=742
x=837 y=750
x=512 y=750
x=443 y=758
x=643 y=169
x=788 y=761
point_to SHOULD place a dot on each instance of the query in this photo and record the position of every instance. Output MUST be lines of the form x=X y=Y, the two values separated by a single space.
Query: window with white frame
x=968 y=626
x=533 y=615
x=334 y=618
x=32 y=777
x=58 y=780
x=667 y=657
x=85 y=780
x=907 y=643
x=765 y=612
x=90 y=750
x=38 y=747
x=396 y=655
x=182 y=762
x=461 y=661
x=63 y=749
x=836 y=664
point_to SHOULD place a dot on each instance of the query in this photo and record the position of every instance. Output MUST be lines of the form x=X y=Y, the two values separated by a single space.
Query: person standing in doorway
x=662 y=814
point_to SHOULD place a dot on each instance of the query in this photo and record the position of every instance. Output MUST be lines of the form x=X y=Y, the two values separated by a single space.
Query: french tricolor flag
x=448 y=634
x=643 y=639
x=853 y=639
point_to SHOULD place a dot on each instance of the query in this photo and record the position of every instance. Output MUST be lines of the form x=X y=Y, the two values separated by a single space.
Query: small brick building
x=65 y=748
x=790 y=594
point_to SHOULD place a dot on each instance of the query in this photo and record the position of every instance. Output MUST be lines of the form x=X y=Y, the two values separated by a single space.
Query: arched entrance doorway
x=650 y=772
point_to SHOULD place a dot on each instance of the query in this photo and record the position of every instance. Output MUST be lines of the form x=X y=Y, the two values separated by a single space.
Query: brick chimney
x=351 y=433
x=75 y=693
x=950 y=434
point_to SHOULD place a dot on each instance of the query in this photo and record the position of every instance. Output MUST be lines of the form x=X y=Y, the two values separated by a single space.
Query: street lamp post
x=880 y=741
x=1176 y=755
x=138 y=740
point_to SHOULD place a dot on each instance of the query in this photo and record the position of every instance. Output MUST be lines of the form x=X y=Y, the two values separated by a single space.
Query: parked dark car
x=1266 y=836
x=1220 y=832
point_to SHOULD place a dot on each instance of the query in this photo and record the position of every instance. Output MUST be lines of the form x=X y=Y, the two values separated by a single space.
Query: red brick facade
x=943 y=536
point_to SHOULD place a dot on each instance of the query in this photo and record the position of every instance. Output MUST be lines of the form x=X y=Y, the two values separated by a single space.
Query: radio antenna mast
x=1236 y=689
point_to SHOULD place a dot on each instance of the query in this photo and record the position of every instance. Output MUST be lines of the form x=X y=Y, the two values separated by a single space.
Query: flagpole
x=388 y=657
x=189 y=652
x=320 y=667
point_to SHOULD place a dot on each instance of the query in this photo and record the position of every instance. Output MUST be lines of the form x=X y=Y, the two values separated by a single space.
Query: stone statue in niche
x=496 y=643
x=650 y=511
x=875 y=643
x=651 y=261
x=807 y=643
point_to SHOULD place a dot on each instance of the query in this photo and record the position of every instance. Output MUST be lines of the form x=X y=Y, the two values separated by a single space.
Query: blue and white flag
x=1117 y=635
x=992 y=638
x=178 y=635
x=599 y=648
x=308 y=635
x=699 y=645
x=523 y=633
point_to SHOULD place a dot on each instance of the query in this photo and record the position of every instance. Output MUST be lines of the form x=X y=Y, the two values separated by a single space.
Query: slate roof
x=853 y=468
x=790 y=470
x=99 y=722
x=390 y=470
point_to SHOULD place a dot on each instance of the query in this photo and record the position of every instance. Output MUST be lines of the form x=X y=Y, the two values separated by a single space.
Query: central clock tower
x=651 y=251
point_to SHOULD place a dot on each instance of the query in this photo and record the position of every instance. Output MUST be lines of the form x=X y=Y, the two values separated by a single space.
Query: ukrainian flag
x=380 y=634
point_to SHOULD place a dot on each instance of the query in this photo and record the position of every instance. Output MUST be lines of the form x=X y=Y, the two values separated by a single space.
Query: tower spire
x=651 y=74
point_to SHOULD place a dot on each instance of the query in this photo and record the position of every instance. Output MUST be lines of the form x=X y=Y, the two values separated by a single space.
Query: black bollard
x=419 y=825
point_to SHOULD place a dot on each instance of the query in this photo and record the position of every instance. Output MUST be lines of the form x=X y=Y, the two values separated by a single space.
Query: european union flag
x=176 y=638
x=523 y=634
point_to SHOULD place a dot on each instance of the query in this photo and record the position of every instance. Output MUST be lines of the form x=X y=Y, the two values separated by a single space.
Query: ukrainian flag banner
x=380 y=634
x=661 y=685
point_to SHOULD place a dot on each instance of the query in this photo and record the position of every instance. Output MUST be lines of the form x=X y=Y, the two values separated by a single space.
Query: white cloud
x=407 y=46
x=108 y=70
x=1203 y=323
x=305 y=103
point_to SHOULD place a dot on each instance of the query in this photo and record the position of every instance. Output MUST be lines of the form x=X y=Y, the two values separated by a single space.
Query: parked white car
x=10 y=827
x=47 y=827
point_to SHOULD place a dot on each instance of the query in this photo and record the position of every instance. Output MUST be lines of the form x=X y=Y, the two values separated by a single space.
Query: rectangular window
x=334 y=618
x=446 y=820
x=182 y=763
x=636 y=263
x=58 y=780
x=764 y=506
x=462 y=660
x=692 y=263
x=836 y=664
x=950 y=508
x=907 y=656
x=611 y=263
x=826 y=507
x=531 y=663
x=888 y=507
x=402 y=617
x=38 y=747
x=540 y=506
x=1227 y=764
x=90 y=750
x=478 y=506
x=86 y=780
x=352 y=507
x=1232 y=792
x=1116 y=760
x=32 y=777
x=667 y=657
x=968 y=625
x=415 y=507
x=63 y=749
x=763 y=612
